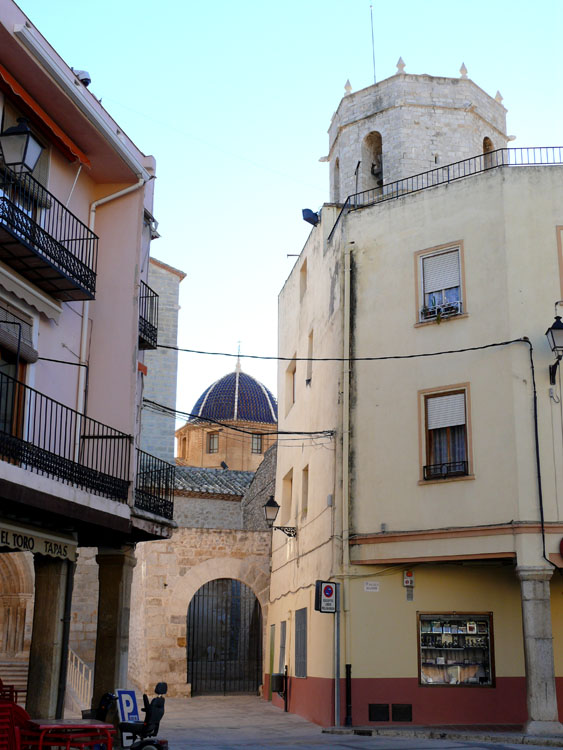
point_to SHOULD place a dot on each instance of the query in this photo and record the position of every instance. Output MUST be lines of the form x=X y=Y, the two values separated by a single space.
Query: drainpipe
x=346 y=373
x=81 y=396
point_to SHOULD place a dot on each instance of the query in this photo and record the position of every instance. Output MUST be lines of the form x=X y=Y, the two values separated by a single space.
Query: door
x=224 y=639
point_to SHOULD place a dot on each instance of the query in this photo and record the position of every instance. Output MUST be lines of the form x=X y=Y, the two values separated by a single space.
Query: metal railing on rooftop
x=504 y=157
x=154 y=488
x=49 y=438
x=32 y=215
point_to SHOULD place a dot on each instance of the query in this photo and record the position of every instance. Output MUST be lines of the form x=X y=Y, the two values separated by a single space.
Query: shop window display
x=456 y=649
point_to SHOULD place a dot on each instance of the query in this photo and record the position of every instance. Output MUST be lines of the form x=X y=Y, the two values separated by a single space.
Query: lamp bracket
x=553 y=371
x=287 y=530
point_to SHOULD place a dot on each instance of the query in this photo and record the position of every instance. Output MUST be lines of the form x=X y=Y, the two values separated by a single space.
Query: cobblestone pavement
x=225 y=722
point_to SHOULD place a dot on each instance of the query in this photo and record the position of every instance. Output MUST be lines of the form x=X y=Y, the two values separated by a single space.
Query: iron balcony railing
x=154 y=489
x=446 y=470
x=504 y=157
x=41 y=239
x=47 y=437
x=148 y=317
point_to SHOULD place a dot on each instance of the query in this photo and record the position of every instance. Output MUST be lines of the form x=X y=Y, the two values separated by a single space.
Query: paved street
x=217 y=723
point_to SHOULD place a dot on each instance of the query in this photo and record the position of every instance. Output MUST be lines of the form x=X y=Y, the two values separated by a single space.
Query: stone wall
x=424 y=122
x=157 y=436
x=263 y=485
x=207 y=513
x=167 y=576
x=84 y=617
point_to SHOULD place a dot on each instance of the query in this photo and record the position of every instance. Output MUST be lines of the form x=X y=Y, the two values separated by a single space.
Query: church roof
x=237 y=396
x=212 y=481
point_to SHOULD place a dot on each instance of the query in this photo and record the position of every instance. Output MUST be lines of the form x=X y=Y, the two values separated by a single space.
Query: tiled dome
x=237 y=396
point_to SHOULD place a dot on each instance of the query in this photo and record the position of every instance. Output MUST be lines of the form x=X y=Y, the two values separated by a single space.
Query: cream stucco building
x=437 y=506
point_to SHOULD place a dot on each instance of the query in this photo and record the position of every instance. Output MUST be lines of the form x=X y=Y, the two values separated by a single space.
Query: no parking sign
x=325 y=596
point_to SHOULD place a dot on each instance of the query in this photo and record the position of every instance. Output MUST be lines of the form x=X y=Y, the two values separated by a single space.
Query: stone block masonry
x=422 y=121
x=167 y=576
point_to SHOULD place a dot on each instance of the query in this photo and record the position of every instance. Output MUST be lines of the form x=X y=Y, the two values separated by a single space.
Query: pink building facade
x=76 y=317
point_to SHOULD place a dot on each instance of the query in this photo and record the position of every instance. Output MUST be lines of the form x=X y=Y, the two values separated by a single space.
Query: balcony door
x=11 y=395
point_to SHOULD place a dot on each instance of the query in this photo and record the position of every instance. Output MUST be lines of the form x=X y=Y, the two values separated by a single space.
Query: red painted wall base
x=313 y=698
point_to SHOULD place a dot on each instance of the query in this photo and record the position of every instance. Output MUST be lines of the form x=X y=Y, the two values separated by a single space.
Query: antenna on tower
x=372 y=42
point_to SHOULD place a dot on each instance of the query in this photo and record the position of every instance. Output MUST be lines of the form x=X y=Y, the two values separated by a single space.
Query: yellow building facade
x=437 y=506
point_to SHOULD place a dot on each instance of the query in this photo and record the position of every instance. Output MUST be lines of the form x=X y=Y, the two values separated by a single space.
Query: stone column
x=115 y=572
x=538 y=651
x=47 y=636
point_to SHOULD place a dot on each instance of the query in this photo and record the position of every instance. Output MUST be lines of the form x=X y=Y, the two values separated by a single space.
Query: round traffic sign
x=328 y=591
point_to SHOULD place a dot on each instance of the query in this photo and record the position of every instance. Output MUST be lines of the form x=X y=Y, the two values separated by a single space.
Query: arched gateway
x=224 y=639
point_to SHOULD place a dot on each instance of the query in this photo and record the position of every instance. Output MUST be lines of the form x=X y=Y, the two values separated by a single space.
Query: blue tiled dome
x=237 y=396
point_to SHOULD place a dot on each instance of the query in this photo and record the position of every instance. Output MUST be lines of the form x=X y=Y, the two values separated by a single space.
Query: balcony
x=43 y=241
x=154 y=490
x=44 y=436
x=446 y=470
x=148 y=317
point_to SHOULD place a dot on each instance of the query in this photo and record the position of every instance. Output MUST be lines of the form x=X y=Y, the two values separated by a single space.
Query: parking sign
x=128 y=711
x=325 y=596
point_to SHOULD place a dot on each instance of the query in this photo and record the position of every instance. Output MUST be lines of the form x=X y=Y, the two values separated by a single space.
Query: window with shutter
x=301 y=642
x=441 y=284
x=446 y=435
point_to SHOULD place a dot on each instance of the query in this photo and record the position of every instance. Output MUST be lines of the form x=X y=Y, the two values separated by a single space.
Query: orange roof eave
x=60 y=139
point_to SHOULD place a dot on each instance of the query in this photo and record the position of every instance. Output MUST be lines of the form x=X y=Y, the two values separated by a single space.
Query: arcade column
x=115 y=573
x=53 y=586
x=538 y=651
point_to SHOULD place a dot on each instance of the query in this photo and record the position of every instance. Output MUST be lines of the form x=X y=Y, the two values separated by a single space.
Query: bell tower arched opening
x=335 y=192
x=488 y=148
x=372 y=161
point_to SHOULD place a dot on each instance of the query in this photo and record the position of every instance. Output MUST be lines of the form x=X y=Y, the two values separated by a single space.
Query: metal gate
x=224 y=643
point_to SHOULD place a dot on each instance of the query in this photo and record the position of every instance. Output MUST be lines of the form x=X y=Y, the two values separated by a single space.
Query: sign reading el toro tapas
x=26 y=539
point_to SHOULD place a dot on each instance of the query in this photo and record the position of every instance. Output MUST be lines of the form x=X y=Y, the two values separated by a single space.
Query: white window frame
x=434 y=310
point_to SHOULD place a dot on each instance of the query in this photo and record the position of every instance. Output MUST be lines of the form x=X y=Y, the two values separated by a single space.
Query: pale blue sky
x=234 y=100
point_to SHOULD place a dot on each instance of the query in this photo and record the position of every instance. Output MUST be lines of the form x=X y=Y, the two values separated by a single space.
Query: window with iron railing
x=148 y=317
x=154 y=487
x=446 y=436
x=43 y=241
x=44 y=436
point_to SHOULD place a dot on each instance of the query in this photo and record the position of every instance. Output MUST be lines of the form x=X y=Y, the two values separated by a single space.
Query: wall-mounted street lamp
x=555 y=338
x=271 y=510
x=20 y=149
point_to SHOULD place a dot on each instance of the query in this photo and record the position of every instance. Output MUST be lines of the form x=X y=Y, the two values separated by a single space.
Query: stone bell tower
x=409 y=124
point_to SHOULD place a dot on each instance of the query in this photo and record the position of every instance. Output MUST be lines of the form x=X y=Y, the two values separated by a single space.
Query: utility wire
x=348 y=359
x=168 y=410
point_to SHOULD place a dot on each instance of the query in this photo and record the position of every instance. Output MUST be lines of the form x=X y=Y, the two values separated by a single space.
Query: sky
x=234 y=100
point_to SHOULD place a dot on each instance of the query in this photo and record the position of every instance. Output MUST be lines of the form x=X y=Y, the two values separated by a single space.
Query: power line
x=168 y=410
x=523 y=339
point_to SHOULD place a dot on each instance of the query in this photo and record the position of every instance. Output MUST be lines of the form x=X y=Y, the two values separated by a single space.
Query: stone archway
x=169 y=635
x=16 y=603
x=224 y=639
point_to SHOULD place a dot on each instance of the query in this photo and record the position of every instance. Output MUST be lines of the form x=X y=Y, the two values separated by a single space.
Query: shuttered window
x=445 y=411
x=440 y=271
x=446 y=436
x=441 y=284
x=16 y=335
x=301 y=642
